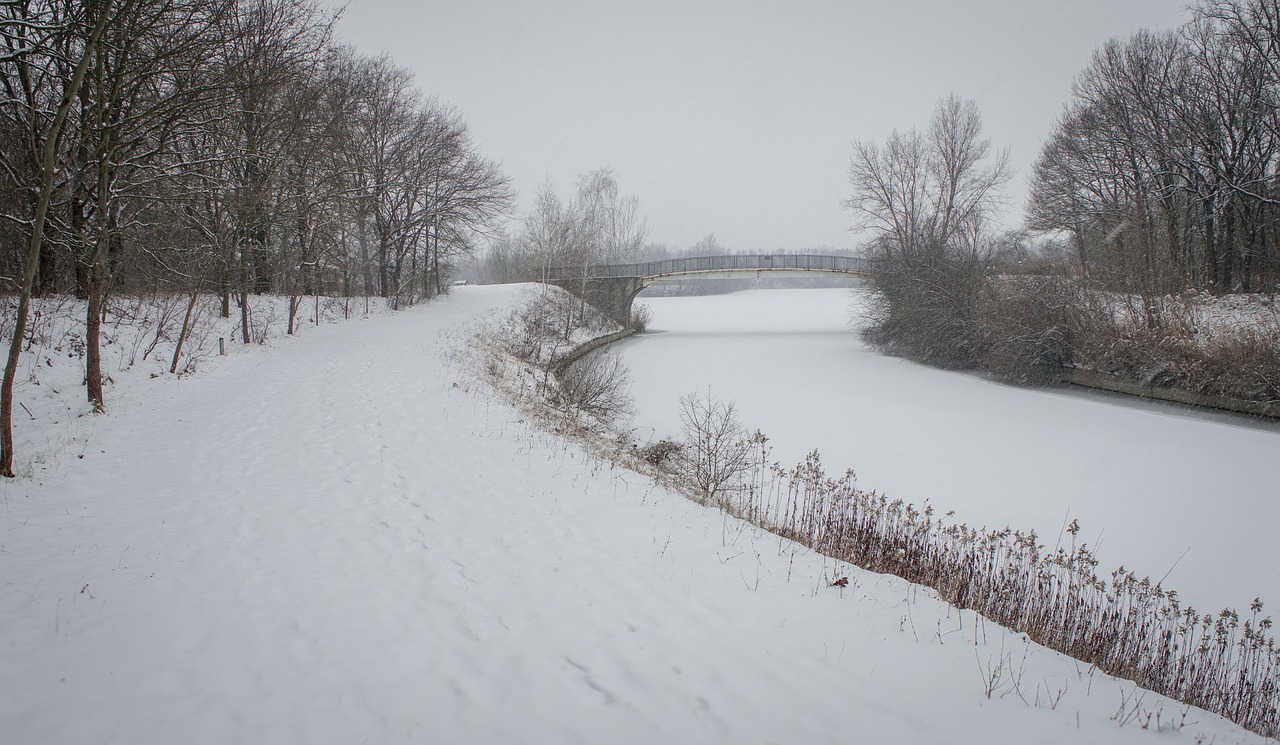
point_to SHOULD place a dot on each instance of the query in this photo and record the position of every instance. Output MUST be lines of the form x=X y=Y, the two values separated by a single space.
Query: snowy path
x=344 y=541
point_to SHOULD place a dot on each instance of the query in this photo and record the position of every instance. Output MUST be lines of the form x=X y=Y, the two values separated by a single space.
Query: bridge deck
x=704 y=264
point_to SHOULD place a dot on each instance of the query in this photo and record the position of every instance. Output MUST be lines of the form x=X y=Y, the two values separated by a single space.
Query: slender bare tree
x=61 y=24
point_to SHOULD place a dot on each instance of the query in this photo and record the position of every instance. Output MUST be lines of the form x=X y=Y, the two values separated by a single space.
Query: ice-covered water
x=1178 y=494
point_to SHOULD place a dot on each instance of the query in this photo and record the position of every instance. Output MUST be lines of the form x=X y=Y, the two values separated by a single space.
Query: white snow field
x=343 y=538
x=1187 y=496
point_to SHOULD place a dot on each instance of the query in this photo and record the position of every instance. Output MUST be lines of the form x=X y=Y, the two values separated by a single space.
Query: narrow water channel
x=1182 y=495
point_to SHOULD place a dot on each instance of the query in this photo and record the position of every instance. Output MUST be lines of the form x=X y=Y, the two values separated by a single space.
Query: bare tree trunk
x=82 y=270
x=435 y=256
x=98 y=269
x=244 y=295
x=93 y=349
x=383 y=265
x=413 y=275
x=295 y=301
x=224 y=288
x=186 y=327
x=47 y=277
x=366 y=266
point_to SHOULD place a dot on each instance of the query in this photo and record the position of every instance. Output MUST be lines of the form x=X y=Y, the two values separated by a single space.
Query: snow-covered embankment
x=346 y=538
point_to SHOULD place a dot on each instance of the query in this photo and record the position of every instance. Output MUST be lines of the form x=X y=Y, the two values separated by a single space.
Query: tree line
x=1160 y=183
x=220 y=146
x=596 y=225
x=1164 y=168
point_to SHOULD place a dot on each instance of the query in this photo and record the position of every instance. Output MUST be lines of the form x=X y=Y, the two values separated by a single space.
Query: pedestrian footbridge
x=613 y=287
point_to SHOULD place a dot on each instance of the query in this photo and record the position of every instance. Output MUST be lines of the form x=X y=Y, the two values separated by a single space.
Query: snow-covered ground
x=344 y=538
x=1162 y=489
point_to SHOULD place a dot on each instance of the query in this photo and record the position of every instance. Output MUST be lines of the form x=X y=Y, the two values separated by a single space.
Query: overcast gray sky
x=736 y=117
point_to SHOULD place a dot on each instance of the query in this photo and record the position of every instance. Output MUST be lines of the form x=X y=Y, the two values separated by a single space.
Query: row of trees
x=1164 y=169
x=229 y=146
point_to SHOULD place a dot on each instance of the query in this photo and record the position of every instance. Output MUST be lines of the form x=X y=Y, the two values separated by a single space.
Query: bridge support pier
x=611 y=295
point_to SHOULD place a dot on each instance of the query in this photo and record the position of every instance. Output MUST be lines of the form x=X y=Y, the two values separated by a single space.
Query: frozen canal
x=1164 y=490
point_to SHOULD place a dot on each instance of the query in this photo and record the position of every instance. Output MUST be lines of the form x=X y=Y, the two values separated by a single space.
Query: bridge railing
x=696 y=264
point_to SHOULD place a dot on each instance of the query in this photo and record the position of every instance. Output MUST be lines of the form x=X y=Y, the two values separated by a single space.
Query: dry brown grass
x=1125 y=625
x=1026 y=328
x=641 y=317
x=1173 y=342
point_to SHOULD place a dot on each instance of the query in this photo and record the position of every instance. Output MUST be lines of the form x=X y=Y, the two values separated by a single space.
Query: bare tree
x=312 y=184
x=1253 y=28
x=597 y=226
x=547 y=234
x=717 y=448
x=922 y=193
x=467 y=193
x=707 y=246
x=420 y=191
x=966 y=184
x=607 y=228
x=91 y=23
x=927 y=198
x=610 y=226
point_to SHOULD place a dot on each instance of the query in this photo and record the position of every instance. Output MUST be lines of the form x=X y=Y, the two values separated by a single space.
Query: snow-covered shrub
x=549 y=323
x=641 y=317
x=660 y=454
x=929 y=309
x=599 y=385
x=1222 y=346
x=535 y=357
x=1031 y=326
